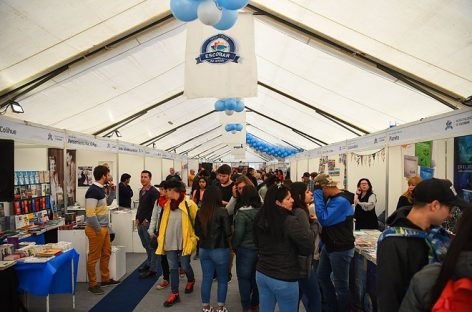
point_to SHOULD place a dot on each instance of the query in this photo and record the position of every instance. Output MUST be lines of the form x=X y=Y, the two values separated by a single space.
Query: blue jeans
x=335 y=296
x=246 y=260
x=272 y=291
x=151 y=261
x=310 y=290
x=173 y=257
x=211 y=260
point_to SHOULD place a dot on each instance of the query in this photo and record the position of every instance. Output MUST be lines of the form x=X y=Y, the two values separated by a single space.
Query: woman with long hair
x=280 y=239
x=308 y=287
x=213 y=228
x=364 y=203
x=406 y=199
x=246 y=251
x=197 y=194
x=427 y=285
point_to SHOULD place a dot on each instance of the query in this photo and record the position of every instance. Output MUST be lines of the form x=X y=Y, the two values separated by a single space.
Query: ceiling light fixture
x=15 y=107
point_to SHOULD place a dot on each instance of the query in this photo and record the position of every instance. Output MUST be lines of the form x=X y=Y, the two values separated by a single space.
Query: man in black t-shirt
x=226 y=184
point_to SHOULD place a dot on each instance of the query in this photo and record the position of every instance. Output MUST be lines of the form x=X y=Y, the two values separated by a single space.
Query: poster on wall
x=84 y=176
x=410 y=166
x=56 y=177
x=426 y=173
x=463 y=166
x=423 y=150
x=69 y=177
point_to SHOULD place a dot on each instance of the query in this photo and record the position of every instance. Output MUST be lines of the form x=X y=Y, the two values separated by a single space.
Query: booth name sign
x=30 y=133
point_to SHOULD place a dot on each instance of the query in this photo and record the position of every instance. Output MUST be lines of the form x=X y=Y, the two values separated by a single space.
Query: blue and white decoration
x=221 y=14
x=270 y=149
x=229 y=106
x=233 y=127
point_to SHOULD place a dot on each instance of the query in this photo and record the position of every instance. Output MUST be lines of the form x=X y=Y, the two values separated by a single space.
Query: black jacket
x=146 y=204
x=398 y=259
x=124 y=195
x=278 y=258
x=219 y=230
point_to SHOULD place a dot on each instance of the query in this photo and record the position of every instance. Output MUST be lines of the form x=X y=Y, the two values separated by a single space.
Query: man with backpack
x=414 y=239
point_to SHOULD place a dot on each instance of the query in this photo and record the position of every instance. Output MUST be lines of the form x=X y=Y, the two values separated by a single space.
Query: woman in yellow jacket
x=177 y=239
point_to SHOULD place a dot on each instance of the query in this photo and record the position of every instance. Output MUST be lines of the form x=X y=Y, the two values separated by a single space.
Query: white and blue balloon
x=221 y=14
x=233 y=127
x=270 y=149
x=229 y=106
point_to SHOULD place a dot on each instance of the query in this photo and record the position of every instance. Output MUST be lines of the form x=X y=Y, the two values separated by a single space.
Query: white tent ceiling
x=302 y=79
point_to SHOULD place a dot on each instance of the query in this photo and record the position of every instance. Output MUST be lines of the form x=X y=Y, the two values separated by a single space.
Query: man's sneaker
x=110 y=282
x=173 y=299
x=189 y=287
x=147 y=274
x=96 y=290
x=163 y=284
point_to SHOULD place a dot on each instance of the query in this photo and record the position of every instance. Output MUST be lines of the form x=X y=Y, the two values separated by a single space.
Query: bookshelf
x=32 y=192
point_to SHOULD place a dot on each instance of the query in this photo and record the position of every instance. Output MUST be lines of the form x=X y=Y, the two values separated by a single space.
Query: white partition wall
x=166 y=165
x=178 y=168
x=31 y=158
x=302 y=166
x=363 y=165
x=92 y=159
x=293 y=170
x=313 y=164
x=133 y=165
x=155 y=166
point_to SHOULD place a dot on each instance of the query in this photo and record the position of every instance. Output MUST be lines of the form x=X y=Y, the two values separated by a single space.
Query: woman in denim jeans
x=246 y=251
x=309 y=287
x=213 y=228
x=280 y=238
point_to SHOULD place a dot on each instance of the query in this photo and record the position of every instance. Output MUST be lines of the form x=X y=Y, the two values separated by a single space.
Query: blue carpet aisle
x=127 y=295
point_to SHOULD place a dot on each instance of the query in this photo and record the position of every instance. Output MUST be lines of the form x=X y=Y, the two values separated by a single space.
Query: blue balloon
x=239 y=127
x=230 y=104
x=184 y=10
x=233 y=4
x=239 y=106
x=219 y=105
x=229 y=127
x=228 y=19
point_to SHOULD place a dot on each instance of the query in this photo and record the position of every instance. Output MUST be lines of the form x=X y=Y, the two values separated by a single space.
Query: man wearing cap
x=413 y=240
x=306 y=178
x=335 y=213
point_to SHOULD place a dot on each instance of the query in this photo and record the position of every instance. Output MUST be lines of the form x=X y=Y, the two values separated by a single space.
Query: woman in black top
x=406 y=199
x=365 y=201
x=280 y=239
x=213 y=228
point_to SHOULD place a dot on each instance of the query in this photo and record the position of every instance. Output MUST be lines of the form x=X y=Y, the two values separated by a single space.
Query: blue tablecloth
x=38 y=239
x=52 y=277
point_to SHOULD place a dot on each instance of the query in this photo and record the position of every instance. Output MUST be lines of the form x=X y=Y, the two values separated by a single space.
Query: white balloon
x=208 y=13
x=229 y=112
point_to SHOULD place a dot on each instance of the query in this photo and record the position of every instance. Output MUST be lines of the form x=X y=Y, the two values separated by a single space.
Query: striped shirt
x=96 y=206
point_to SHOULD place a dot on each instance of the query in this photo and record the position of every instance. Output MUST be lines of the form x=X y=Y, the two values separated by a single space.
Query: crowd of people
x=292 y=242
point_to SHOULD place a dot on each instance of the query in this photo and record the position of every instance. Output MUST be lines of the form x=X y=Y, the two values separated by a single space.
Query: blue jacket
x=336 y=216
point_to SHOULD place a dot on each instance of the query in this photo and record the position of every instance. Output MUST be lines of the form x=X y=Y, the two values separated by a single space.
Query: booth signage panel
x=445 y=127
x=371 y=141
x=20 y=131
x=129 y=148
x=78 y=141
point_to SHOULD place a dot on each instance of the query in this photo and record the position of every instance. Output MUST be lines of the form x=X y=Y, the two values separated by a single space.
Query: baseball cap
x=324 y=179
x=306 y=174
x=441 y=190
x=163 y=184
x=177 y=185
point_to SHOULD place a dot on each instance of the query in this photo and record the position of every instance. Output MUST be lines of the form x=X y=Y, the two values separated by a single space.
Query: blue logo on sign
x=448 y=125
x=218 y=49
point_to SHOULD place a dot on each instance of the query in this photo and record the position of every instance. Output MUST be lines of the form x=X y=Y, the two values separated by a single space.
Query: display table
x=363 y=271
x=56 y=276
x=117 y=264
x=126 y=234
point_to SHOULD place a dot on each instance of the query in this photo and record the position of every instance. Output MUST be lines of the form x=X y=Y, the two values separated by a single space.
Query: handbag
x=304 y=265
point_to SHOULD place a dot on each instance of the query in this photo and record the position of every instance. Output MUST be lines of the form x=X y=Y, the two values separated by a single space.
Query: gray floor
x=151 y=302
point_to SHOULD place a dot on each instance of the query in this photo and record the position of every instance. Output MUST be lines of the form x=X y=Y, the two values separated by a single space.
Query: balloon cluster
x=270 y=149
x=229 y=106
x=233 y=127
x=221 y=14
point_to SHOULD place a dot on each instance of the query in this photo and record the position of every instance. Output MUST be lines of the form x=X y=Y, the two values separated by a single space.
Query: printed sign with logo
x=218 y=49
x=19 y=130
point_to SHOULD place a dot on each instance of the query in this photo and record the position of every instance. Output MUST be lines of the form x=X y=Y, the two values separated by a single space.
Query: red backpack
x=456 y=296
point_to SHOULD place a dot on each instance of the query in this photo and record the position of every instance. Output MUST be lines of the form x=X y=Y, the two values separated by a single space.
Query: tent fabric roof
x=300 y=78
